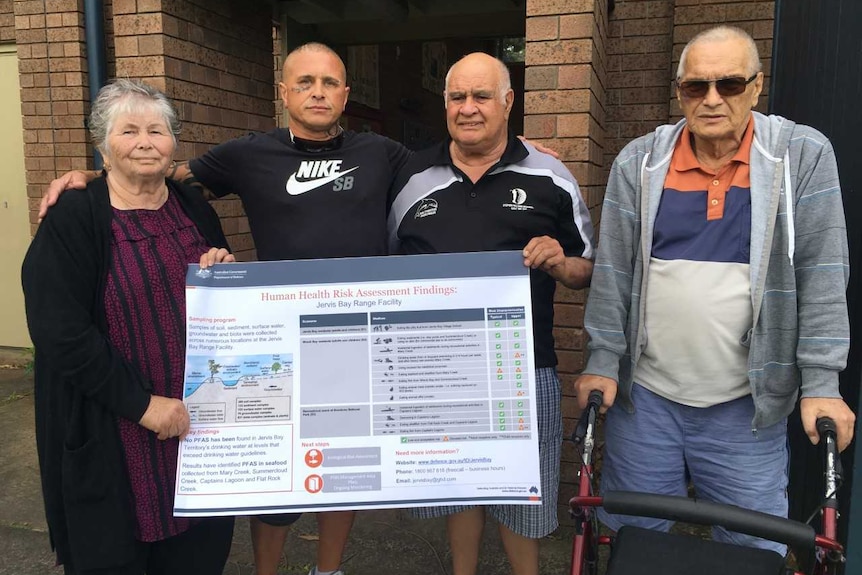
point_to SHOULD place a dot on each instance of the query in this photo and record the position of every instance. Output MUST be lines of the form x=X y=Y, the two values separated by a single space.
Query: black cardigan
x=82 y=382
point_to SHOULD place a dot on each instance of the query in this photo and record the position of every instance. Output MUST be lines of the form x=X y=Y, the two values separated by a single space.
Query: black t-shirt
x=527 y=194
x=305 y=204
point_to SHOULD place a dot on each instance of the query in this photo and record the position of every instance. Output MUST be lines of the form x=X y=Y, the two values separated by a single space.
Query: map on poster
x=359 y=383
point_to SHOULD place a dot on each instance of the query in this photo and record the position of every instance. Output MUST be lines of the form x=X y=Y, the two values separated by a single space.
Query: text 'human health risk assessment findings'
x=359 y=383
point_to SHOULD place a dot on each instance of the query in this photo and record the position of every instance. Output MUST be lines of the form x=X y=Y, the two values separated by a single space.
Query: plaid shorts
x=533 y=521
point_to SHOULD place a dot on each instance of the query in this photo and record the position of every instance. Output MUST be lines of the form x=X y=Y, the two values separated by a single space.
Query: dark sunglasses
x=725 y=86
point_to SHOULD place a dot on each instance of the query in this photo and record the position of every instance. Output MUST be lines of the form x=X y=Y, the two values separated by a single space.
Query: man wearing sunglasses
x=718 y=296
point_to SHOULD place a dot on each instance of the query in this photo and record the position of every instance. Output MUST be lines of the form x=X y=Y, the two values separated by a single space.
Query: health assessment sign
x=359 y=383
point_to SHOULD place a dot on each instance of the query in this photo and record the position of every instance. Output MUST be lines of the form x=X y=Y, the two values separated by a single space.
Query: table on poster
x=359 y=383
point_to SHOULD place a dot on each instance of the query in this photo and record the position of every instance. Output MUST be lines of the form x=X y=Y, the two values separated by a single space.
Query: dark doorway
x=398 y=51
x=817 y=80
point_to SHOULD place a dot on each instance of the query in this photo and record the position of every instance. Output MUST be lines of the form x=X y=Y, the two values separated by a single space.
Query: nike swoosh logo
x=294 y=187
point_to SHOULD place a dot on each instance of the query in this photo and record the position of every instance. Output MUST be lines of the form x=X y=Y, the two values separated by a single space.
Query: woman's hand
x=167 y=417
x=216 y=256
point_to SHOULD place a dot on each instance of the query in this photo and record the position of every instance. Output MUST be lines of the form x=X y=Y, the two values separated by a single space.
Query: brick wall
x=51 y=61
x=639 y=70
x=214 y=59
x=7 y=21
x=565 y=108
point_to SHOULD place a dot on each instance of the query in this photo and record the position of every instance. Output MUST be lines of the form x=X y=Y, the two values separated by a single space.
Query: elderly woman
x=104 y=282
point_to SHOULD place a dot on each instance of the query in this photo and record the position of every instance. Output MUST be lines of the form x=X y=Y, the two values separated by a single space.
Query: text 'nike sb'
x=317 y=173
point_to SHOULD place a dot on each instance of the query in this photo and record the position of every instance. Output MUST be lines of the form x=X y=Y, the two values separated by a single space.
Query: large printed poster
x=359 y=383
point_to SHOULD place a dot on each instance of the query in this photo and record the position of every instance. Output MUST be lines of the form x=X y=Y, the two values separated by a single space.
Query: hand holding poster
x=359 y=383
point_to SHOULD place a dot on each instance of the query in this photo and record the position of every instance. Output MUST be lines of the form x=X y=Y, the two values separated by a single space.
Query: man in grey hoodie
x=718 y=295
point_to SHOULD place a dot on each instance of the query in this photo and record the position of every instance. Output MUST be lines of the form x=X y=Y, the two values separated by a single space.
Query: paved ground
x=382 y=542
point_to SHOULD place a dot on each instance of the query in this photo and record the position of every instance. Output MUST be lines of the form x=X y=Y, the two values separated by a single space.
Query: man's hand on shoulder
x=813 y=408
x=546 y=253
x=76 y=179
x=588 y=382
x=540 y=147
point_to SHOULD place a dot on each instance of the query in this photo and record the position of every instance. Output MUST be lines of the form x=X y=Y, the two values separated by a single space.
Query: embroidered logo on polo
x=317 y=173
x=427 y=207
x=519 y=199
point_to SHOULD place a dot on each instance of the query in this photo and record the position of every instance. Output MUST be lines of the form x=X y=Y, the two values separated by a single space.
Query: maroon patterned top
x=146 y=307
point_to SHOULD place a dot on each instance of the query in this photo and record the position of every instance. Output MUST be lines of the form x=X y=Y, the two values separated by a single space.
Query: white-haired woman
x=104 y=283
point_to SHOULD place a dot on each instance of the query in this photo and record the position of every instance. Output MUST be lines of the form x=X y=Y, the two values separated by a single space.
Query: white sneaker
x=314 y=572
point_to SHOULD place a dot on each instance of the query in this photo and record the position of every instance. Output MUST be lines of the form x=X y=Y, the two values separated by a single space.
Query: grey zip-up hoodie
x=798 y=262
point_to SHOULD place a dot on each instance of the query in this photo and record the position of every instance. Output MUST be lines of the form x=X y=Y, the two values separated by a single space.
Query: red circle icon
x=313 y=458
x=313 y=483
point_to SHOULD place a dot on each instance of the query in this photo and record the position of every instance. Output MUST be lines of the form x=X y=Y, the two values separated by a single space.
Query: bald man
x=490 y=191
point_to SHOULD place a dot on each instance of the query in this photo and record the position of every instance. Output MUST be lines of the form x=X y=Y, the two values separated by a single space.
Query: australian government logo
x=427 y=207
x=519 y=201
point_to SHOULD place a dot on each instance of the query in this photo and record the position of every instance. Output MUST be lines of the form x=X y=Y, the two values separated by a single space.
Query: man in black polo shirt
x=485 y=190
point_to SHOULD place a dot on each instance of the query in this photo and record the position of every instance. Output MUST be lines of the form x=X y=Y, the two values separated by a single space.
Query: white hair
x=123 y=96
x=721 y=34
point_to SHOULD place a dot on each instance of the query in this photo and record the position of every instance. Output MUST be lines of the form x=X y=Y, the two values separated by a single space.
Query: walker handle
x=594 y=402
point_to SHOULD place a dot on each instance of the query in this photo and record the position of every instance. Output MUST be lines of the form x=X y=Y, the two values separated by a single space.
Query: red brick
x=141 y=66
x=66 y=64
x=128 y=25
x=27 y=7
x=70 y=34
x=541 y=7
x=700 y=14
x=540 y=126
x=35 y=95
x=29 y=36
x=149 y=5
x=750 y=11
x=569 y=149
x=577 y=26
x=575 y=76
x=559 y=52
x=56 y=50
x=569 y=406
x=646 y=62
x=570 y=361
x=73 y=49
x=556 y=101
x=648 y=27
x=62 y=5
x=126 y=46
x=763 y=29
x=573 y=125
x=151 y=45
x=569 y=338
x=125 y=7
x=540 y=78
x=72 y=18
x=543 y=28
